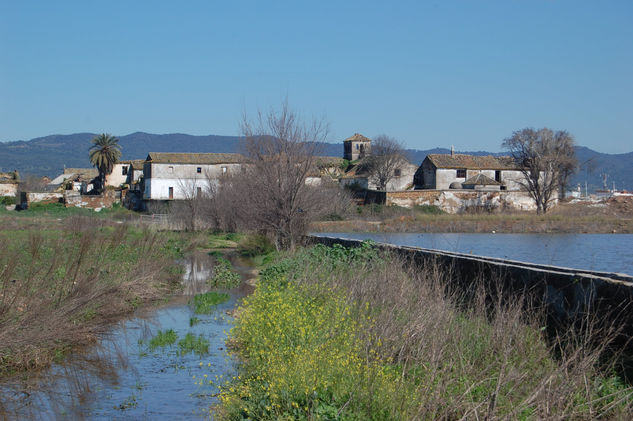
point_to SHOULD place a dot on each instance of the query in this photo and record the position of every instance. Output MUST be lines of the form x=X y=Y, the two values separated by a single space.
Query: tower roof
x=357 y=138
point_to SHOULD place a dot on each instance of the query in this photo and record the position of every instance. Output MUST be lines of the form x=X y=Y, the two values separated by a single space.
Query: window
x=124 y=170
x=461 y=173
x=357 y=146
x=170 y=170
x=498 y=176
x=224 y=170
x=199 y=170
x=171 y=191
x=397 y=172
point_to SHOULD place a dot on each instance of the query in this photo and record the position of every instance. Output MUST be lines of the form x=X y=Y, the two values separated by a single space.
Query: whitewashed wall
x=8 y=189
x=183 y=178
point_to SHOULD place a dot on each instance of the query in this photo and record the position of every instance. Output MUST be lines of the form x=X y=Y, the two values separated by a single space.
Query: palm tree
x=104 y=153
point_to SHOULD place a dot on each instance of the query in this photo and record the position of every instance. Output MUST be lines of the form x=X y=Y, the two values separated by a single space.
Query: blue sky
x=436 y=73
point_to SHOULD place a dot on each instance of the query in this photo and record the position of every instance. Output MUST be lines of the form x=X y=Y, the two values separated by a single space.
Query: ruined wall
x=8 y=189
x=74 y=199
x=457 y=201
x=27 y=199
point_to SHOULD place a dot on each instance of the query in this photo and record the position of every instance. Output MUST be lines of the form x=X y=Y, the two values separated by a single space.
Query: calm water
x=122 y=379
x=601 y=252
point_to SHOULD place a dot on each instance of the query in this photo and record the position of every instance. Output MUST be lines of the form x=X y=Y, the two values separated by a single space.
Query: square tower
x=356 y=147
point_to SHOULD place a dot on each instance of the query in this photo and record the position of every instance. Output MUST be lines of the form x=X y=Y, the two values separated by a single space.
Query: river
x=599 y=252
x=121 y=378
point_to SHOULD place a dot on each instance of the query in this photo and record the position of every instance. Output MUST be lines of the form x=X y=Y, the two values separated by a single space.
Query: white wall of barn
x=183 y=179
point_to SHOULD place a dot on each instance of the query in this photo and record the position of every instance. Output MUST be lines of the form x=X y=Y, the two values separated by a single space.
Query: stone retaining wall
x=458 y=201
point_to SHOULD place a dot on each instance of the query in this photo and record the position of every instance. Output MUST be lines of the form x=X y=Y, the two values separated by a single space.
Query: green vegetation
x=255 y=245
x=104 y=153
x=192 y=343
x=193 y=321
x=7 y=200
x=64 y=279
x=205 y=303
x=223 y=275
x=162 y=339
x=335 y=333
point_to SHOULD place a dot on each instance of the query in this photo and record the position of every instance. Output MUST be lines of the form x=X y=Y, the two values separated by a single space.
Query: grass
x=192 y=343
x=163 y=339
x=335 y=333
x=205 y=303
x=62 y=281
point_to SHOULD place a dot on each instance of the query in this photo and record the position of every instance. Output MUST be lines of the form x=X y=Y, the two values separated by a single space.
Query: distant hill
x=50 y=154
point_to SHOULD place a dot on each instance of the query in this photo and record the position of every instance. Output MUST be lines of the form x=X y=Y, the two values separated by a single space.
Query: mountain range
x=49 y=155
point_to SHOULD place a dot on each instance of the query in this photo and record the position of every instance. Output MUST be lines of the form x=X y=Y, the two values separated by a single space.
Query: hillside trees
x=546 y=159
x=104 y=153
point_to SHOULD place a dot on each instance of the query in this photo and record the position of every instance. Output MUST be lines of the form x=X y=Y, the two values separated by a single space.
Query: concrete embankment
x=566 y=292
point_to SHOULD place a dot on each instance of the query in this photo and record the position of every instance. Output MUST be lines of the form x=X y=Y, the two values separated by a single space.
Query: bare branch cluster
x=546 y=159
x=387 y=155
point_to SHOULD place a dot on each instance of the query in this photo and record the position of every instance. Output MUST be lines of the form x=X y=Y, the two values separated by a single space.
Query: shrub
x=223 y=275
x=255 y=245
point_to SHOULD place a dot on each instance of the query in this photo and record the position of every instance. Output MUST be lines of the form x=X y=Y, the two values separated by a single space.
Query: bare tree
x=280 y=149
x=190 y=209
x=386 y=158
x=546 y=159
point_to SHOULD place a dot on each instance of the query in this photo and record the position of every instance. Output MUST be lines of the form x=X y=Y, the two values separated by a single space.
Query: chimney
x=452 y=150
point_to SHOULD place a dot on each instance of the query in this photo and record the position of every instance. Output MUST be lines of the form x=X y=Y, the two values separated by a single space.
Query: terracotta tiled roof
x=195 y=158
x=357 y=138
x=481 y=180
x=472 y=162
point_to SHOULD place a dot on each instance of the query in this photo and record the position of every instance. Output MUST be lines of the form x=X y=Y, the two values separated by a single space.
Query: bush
x=223 y=275
x=7 y=200
x=255 y=245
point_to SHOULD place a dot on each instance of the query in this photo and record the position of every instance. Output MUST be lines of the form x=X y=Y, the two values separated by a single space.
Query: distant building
x=177 y=176
x=356 y=147
x=459 y=171
x=9 y=182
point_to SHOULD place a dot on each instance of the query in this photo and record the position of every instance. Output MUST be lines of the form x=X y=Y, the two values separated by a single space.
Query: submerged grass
x=199 y=345
x=163 y=339
x=205 y=303
x=335 y=333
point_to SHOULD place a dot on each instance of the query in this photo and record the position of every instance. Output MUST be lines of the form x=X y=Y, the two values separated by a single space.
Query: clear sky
x=430 y=73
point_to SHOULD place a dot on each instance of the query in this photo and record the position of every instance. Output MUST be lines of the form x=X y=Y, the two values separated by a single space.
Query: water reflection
x=198 y=269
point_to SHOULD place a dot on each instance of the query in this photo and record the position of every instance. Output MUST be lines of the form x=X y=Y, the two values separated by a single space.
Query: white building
x=177 y=176
x=458 y=171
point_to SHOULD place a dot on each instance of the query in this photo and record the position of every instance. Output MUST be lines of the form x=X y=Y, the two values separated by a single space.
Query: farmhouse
x=174 y=176
x=459 y=171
